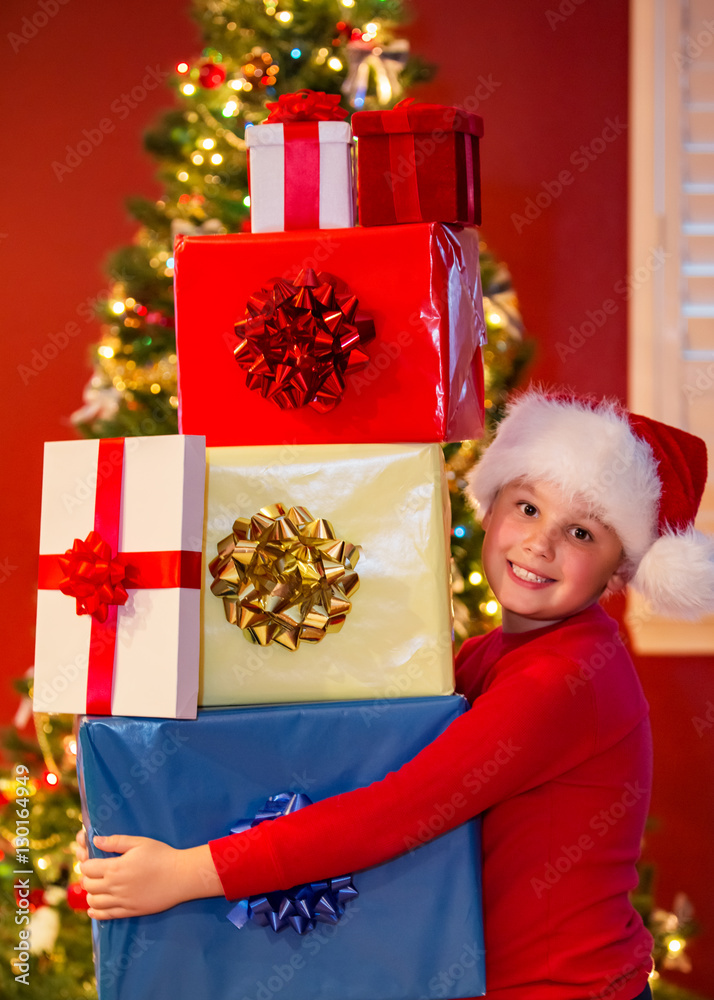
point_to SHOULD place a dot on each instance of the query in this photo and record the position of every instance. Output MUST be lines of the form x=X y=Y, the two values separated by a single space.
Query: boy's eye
x=528 y=508
x=581 y=534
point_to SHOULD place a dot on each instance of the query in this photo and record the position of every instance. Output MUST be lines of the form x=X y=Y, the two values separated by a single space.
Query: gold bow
x=284 y=577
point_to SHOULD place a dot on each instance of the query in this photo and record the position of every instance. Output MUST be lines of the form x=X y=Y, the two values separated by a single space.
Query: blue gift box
x=415 y=930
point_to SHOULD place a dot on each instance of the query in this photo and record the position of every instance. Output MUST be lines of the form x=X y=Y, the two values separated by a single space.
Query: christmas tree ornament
x=77 y=897
x=44 y=927
x=211 y=75
x=184 y=227
x=100 y=402
x=383 y=63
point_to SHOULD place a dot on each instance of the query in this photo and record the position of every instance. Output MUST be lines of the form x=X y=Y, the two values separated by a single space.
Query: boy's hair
x=644 y=479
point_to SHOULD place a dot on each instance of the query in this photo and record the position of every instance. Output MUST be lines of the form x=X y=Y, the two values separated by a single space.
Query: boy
x=577 y=500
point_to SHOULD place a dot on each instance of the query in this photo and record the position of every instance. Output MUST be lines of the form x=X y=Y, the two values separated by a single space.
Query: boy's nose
x=540 y=540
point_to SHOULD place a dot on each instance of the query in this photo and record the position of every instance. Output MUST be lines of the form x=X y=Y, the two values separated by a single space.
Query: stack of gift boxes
x=283 y=563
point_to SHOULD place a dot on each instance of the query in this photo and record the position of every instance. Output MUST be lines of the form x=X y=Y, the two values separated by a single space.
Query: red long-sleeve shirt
x=556 y=753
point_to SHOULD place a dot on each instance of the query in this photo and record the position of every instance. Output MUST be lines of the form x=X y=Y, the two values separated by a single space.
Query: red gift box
x=418 y=163
x=422 y=379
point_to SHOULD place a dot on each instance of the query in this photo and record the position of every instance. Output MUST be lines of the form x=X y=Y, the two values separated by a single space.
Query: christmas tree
x=253 y=51
x=42 y=904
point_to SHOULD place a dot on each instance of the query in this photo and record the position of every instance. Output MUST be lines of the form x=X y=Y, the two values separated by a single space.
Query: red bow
x=299 y=340
x=93 y=577
x=306 y=106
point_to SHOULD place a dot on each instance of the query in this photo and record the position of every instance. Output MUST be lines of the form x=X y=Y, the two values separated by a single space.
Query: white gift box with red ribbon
x=301 y=176
x=118 y=608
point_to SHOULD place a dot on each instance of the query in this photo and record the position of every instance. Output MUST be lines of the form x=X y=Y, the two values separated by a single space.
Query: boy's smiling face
x=546 y=556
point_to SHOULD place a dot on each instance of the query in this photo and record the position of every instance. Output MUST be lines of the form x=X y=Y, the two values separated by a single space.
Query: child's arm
x=147 y=877
x=522 y=731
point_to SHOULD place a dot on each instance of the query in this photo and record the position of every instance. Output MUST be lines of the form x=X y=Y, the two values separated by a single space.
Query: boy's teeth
x=525 y=574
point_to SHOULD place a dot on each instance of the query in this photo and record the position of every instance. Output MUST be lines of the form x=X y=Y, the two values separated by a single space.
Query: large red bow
x=93 y=577
x=299 y=340
x=306 y=106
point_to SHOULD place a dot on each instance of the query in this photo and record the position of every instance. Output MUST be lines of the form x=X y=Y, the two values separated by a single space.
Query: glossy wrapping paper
x=188 y=782
x=419 y=284
x=418 y=163
x=301 y=176
x=148 y=493
x=390 y=500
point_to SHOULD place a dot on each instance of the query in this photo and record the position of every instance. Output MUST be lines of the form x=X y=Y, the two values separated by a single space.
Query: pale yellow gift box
x=396 y=642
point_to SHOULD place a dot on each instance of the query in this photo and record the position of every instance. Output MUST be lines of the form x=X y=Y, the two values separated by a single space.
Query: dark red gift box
x=423 y=380
x=418 y=163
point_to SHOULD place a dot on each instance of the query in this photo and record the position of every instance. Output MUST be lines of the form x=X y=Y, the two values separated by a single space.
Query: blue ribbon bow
x=303 y=906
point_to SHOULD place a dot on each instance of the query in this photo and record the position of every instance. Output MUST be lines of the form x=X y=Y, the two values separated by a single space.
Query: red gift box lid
x=410 y=117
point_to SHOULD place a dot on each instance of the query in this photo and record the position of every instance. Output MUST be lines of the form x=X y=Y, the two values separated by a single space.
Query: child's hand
x=81 y=846
x=148 y=877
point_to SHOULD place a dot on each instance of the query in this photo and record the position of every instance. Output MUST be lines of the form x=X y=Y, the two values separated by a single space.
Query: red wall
x=55 y=235
x=546 y=91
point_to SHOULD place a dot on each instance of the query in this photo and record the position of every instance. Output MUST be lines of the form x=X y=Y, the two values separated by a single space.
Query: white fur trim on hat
x=588 y=451
x=676 y=575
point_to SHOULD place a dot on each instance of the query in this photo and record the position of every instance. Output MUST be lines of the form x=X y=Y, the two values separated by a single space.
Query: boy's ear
x=618 y=581
x=485 y=519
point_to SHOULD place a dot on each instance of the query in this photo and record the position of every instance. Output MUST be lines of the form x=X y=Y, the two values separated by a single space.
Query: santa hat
x=644 y=479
